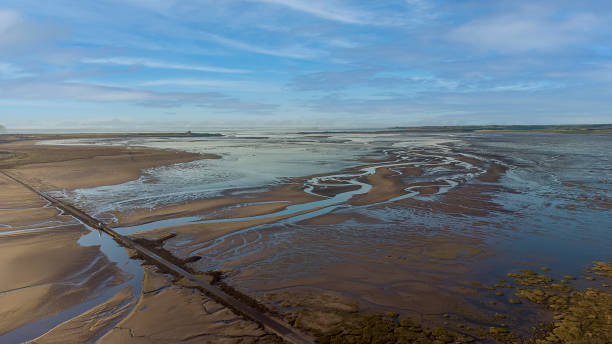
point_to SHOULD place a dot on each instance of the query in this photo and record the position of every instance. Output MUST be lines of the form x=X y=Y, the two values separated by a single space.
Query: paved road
x=273 y=325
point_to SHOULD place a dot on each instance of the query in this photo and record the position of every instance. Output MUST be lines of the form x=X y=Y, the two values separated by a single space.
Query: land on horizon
x=305 y=229
x=305 y=172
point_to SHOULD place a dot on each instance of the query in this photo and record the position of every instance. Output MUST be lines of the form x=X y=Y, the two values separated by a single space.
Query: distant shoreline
x=87 y=133
x=569 y=129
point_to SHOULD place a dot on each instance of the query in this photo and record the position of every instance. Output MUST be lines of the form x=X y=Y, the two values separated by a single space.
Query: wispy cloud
x=297 y=52
x=243 y=85
x=130 y=61
x=17 y=31
x=368 y=13
x=530 y=29
x=74 y=91
x=10 y=71
x=315 y=58
x=324 y=9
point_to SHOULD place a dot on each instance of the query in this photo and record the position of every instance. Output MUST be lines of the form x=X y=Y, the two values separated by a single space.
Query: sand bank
x=164 y=313
x=45 y=271
x=243 y=205
x=68 y=167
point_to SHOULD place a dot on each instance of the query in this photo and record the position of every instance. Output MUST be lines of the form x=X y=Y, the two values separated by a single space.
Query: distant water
x=553 y=184
x=260 y=159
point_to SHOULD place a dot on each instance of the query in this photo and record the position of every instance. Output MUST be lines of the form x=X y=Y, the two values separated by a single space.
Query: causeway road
x=271 y=324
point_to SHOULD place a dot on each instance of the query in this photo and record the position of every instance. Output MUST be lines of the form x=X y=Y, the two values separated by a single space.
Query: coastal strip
x=271 y=324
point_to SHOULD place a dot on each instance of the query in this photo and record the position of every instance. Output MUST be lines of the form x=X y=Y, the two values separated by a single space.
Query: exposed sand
x=50 y=272
x=418 y=276
x=172 y=314
x=386 y=184
x=68 y=167
x=335 y=218
x=191 y=238
x=494 y=173
x=91 y=324
x=165 y=313
x=421 y=274
x=44 y=271
x=216 y=207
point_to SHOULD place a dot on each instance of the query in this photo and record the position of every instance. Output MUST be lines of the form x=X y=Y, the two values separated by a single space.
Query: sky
x=193 y=64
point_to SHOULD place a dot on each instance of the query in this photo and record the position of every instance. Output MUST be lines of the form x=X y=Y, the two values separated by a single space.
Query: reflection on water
x=131 y=276
x=553 y=177
x=245 y=163
x=552 y=206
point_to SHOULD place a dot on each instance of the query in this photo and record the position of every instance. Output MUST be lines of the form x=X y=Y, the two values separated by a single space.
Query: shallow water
x=245 y=163
x=549 y=207
x=131 y=271
x=539 y=165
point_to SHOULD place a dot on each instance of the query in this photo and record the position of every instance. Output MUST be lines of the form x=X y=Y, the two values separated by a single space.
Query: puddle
x=115 y=253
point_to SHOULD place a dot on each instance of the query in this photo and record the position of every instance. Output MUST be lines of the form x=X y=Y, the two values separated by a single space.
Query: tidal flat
x=364 y=237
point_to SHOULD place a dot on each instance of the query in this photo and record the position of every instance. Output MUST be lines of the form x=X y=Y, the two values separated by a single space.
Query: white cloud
x=410 y=12
x=253 y=86
x=324 y=9
x=293 y=52
x=73 y=91
x=342 y=43
x=10 y=71
x=129 y=61
x=160 y=6
x=16 y=31
x=526 y=31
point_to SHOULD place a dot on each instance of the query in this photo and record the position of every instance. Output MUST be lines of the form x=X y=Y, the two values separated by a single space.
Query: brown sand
x=37 y=265
x=418 y=274
x=171 y=314
x=68 y=167
x=198 y=235
x=494 y=173
x=467 y=200
x=216 y=207
x=386 y=184
x=422 y=272
x=40 y=262
x=165 y=313
x=87 y=326
x=335 y=218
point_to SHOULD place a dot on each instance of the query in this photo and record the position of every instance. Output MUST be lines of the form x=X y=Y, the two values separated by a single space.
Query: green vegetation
x=578 y=316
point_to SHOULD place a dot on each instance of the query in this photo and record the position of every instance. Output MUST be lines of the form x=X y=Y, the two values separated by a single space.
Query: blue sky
x=147 y=64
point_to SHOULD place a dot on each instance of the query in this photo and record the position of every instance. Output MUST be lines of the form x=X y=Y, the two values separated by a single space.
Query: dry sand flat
x=425 y=272
x=86 y=327
x=165 y=313
x=172 y=314
x=217 y=207
x=68 y=167
x=44 y=271
x=51 y=272
x=189 y=239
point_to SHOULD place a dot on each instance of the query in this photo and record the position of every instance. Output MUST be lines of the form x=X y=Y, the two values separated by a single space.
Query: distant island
x=567 y=129
x=571 y=129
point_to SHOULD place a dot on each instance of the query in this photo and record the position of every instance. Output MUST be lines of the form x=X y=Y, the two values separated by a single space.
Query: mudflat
x=453 y=241
x=46 y=270
x=54 y=167
x=58 y=289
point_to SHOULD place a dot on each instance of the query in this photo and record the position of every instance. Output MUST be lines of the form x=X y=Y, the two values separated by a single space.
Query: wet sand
x=217 y=207
x=164 y=313
x=45 y=270
x=68 y=167
x=49 y=272
x=324 y=273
